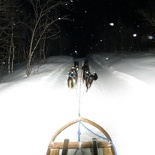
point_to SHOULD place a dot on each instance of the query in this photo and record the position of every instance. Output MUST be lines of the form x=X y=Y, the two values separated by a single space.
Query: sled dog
x=76 y=65
x=72 y=78
x=85 y=65
x=86 y=74
x=90 y=80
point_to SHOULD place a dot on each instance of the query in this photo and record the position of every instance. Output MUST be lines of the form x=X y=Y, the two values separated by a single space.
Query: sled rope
x=104 y=138
x=80 y=99
x=79 y=132
x=79 y=145
x=79 y=94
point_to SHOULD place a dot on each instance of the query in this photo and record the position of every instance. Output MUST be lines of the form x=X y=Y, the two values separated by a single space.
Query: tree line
x=122 y=36
x=27 y=28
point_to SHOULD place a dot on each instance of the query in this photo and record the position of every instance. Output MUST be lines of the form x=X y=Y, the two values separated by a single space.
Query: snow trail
x=121 y=100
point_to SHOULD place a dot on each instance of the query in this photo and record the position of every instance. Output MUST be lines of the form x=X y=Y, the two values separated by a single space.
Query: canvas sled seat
x=101 y=147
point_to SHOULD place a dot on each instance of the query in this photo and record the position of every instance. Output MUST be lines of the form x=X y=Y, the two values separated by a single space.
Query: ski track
x=102 y=84
x=121 y=86
x=98 y=86
x=54 y=76
x=129 y=79
x=132 y=81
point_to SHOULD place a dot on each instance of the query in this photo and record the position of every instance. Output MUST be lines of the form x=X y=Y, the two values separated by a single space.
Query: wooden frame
x=54 y=147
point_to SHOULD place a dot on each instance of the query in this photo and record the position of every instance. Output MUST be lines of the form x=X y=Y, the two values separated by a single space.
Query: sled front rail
x=106 y=146
x=54 y=147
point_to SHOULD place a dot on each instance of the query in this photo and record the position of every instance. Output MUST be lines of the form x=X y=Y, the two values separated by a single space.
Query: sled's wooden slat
x=65 y=147
x=54 y=152
x=107 y=151
x=75 y=145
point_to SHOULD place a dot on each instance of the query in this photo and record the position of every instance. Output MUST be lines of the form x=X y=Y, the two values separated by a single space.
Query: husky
x=71 y=82
x=72 y=78
x=76 y=65
x=90 y=80
x=86 y=74
x=85 y=65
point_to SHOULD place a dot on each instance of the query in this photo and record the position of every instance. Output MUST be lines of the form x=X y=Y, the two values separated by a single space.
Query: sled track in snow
x=54 y=76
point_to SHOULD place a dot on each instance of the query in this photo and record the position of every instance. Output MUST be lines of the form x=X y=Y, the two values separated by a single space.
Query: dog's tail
x=95 y=76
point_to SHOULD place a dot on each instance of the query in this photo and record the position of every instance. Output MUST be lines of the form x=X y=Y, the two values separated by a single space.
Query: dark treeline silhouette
x=30 y=31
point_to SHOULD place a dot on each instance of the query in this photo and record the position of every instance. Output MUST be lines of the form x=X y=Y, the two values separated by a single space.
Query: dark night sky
x=90 y=16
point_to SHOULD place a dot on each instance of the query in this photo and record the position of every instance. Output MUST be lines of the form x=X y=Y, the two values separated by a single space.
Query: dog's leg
x=87 y=83
x=90 y=82
x=69 y=82
x=83 y=77
x=72 y=83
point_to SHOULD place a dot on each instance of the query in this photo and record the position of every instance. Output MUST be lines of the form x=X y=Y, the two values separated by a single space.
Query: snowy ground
x=121 y=101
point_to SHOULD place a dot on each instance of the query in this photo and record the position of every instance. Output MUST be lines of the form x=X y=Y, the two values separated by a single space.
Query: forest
x=30 y=32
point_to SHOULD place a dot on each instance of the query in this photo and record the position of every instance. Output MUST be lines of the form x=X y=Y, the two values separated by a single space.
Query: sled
x=62 y=148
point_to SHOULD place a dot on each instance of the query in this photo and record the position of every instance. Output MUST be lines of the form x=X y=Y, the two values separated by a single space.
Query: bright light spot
x=101 y=40
x=76 y=52
x=150 y=37
x=106 y=58
x=71 y=0
x=111 y=24
x=85 y=11
x=134 y=35
x=59 y=18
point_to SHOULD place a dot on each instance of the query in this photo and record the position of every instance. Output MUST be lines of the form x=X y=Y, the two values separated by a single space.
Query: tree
x=148 y=15
x=8 y=18
x=43 y=25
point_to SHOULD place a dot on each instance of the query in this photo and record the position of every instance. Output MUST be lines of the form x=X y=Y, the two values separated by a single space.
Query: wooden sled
x=106 y=146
